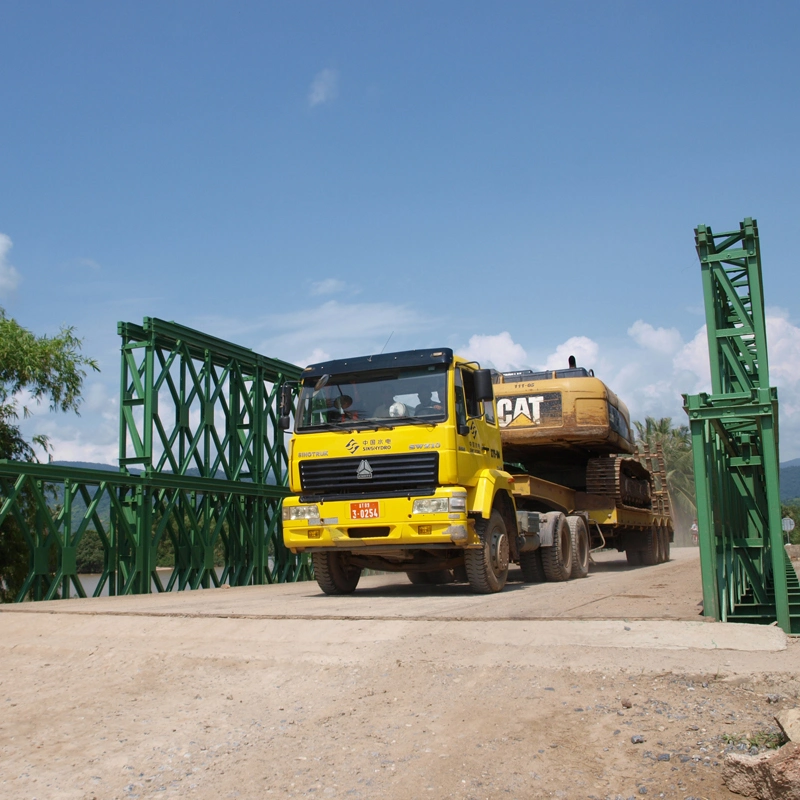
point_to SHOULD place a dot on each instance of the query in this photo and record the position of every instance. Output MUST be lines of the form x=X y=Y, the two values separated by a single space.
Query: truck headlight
x=431 y=505
x=440 y=505
x=300 y=512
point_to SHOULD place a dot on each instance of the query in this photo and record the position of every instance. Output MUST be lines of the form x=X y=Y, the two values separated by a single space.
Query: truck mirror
x=287 y=396
x=286 y=400
x=484 y=390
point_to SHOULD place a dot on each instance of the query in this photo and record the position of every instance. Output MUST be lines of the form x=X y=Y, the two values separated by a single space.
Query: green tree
x=676 y=444
x=48 y=369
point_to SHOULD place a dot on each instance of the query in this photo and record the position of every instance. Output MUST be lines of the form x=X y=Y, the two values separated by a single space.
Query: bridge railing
x=203 y=472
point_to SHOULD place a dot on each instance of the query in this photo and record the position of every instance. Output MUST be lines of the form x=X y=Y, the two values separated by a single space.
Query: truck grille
x=357 y=476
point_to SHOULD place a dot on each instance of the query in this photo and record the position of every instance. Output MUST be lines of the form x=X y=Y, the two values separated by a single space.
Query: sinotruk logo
x=352 y=445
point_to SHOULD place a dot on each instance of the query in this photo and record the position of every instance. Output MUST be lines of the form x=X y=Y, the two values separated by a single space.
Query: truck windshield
x=374 y=399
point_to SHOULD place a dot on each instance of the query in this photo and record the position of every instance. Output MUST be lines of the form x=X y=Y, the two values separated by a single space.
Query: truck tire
x=431 y=578
x=580 y=547
x=664 y=531
x=650 y=550
x=634 y=557
x=531 y=565
x=333 y=575
x=487 y=568
x=557 y=559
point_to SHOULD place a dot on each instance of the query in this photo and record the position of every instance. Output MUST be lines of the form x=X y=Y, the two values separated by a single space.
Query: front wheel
x=334 y=575
x=487 y=568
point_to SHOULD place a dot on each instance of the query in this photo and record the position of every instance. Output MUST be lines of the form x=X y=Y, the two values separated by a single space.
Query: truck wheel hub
x=500 y=552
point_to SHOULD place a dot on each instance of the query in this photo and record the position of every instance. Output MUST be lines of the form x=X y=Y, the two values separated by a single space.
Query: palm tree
x=676 y=445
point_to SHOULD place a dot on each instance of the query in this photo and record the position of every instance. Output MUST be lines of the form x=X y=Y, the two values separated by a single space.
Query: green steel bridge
x=203 y=464
x=747 y=575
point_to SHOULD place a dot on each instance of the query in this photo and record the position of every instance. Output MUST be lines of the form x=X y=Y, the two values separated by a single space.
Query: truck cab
x=396 y=465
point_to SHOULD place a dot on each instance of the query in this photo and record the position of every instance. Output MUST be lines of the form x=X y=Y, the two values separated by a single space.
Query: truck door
x=477 y=441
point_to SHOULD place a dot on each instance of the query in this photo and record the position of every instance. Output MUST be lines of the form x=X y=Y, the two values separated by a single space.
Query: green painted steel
x=203 y=466
x=747 y=575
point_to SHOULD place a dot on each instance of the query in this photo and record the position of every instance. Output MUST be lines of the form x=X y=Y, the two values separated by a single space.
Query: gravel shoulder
x=398 y=691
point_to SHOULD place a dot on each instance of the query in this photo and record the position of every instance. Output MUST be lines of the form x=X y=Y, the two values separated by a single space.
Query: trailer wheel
x=634 y=557
x=580 y=547
x=431 y=577
x=650 y=551
x=487 y=568
x=531 y=565
x=557 y=559
x=664 y=531
x=333 y=574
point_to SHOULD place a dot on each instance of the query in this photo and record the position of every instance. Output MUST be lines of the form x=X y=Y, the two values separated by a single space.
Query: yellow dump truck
x=422 y=462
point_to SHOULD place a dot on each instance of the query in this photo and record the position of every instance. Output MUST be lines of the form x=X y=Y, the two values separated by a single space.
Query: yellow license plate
x=365 y=510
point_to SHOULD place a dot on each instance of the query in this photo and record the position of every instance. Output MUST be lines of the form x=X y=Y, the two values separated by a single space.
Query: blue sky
x=519 y=181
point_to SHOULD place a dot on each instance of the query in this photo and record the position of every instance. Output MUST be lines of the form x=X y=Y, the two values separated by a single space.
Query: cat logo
x=364 y=471
x=528 y=409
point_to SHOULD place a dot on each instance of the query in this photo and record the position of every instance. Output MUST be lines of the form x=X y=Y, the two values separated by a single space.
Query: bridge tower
x=747 y=575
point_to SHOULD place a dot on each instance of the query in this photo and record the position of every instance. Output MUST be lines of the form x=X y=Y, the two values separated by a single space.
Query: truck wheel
x=333 y=575
x=580 y=547
x=557 y=559
x=650 y=550
x=634 y=557
x=432 y=577
x=664 y=530
x=531 y=565
x=487 y=568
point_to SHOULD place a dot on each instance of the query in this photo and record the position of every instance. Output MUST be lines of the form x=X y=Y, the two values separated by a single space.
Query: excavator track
x=624 y=479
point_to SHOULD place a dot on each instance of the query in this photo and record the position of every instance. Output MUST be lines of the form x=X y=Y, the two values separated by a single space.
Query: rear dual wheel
x=557 y=559
x=579 y=534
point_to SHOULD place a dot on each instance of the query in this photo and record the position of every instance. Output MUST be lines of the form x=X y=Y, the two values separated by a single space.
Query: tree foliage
x=44 y=368
x=676 y=444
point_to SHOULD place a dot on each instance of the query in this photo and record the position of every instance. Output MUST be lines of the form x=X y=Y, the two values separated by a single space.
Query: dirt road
x=399 y=691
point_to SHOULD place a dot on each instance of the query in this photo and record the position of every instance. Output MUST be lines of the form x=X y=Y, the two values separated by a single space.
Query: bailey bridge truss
x=203 y=465
x=747 y=576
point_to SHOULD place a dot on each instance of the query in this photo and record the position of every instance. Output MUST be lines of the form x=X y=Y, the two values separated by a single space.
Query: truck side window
x=473 y=406
x=488 y=410
x=461 y=409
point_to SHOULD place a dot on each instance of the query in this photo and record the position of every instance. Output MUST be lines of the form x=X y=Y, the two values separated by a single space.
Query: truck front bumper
x=385 y=522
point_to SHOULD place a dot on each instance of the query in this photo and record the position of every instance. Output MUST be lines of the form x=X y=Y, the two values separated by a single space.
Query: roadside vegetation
x=676 y=444
x=42 y=369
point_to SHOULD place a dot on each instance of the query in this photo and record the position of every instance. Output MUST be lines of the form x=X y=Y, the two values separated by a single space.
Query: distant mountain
x=793 y=463
x=89 y=465
x=192 y=473
x=790 y=483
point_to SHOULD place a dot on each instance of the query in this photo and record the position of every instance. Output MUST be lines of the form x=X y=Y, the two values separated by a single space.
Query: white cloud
x=662 y=340
x=346 y=329
x=583 y=348
x=9 y=277
x=691 y=364
x=324 y=88
x=499 y=351
x=328 y=286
